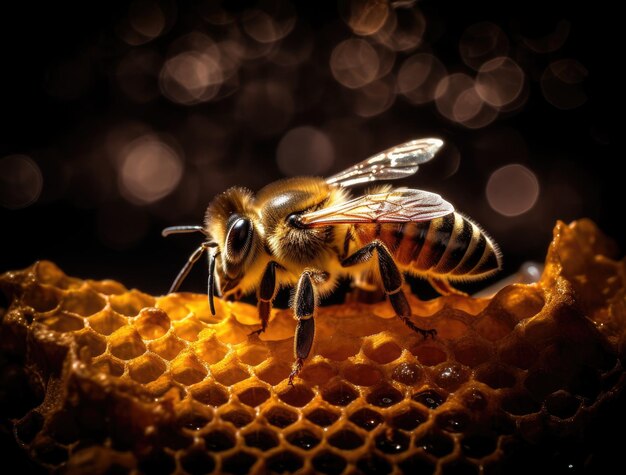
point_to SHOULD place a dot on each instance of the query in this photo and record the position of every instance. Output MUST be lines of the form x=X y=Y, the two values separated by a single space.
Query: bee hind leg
x=392 y=282
x=442 y=286
x=304 y=305
x=265 y=296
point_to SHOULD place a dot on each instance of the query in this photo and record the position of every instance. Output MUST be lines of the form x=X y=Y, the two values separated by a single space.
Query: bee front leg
x=265 y=295
x=304 y=304
x=392 y=282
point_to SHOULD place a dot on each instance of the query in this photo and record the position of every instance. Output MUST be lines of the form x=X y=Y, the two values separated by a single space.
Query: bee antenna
x=211 y=282
x=193 y=258
x=182 y=229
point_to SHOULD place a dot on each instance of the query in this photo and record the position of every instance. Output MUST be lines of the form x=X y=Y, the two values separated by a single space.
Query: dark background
x=80 y=88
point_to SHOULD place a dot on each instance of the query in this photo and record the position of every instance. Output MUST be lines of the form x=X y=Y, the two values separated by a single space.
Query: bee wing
x=397 y=162
x=396 y=206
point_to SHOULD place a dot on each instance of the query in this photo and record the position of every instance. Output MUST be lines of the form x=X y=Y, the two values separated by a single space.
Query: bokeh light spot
x=467 y=104
x=260 y=26
x=354 y=63
x=21 y=181
x=403 y=30
x=551 y=42
x=458 y=101
x=191 y=77
x=273 y=22
x=482 y=42
x=485 y=116
x=366 y=17
x=386 y=60
x=561 y=84
x=419 y=76
x=150 y=170
x=375 y=98
x=499 y=81
x=512 y=190
x=146 y=18
x=305 y=151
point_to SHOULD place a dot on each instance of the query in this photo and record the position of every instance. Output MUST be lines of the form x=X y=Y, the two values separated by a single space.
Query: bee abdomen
x=451 y=246
x=470 y=254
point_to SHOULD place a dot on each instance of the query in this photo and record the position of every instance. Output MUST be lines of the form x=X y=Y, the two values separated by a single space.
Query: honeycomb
x=96 y=378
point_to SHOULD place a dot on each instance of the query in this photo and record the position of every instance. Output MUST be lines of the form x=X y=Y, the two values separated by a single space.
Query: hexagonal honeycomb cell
x=100 y=379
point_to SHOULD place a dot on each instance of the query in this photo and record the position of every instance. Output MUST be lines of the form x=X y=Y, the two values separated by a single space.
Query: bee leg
x=303 y=310
x=443 y=287
x=188 y=265
x=265 y=296
x=392 y=282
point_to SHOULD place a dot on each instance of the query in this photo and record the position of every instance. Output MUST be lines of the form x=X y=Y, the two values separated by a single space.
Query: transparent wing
x=397 y=162
x=397 y=206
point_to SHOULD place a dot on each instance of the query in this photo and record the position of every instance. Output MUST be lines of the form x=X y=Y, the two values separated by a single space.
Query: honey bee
x=308 y=232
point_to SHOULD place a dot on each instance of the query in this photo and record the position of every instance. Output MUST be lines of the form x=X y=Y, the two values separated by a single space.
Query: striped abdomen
x=452 y=247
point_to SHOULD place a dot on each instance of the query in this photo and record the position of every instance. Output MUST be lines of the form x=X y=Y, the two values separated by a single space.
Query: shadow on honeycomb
x=100 y=379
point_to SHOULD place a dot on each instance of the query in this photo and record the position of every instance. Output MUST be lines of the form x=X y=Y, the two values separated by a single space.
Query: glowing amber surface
x=98 y=378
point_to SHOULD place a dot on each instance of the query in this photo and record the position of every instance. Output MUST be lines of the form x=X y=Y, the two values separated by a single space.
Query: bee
x=308 y=232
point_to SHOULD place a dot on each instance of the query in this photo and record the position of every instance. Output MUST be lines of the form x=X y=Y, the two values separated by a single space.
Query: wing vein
x=398 y=206
x=397 y=162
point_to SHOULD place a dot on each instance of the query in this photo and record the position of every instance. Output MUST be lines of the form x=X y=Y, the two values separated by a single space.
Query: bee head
x=237 y=247
x=229 y=221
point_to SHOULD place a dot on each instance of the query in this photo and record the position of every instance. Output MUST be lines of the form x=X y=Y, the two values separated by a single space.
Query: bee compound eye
x=239 y=236
x=294 y=220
